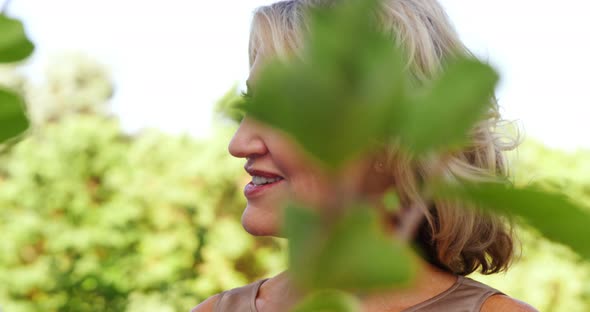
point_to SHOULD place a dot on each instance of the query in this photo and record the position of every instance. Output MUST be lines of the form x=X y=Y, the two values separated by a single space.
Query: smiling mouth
x=259 y=180
x=259 y=184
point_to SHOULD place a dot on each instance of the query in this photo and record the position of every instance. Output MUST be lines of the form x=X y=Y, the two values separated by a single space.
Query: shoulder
x=501 y=303
x=207 y=305
x=235 y=297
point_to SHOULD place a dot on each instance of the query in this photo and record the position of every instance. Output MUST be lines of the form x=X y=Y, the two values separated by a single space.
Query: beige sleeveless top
x=466 y=295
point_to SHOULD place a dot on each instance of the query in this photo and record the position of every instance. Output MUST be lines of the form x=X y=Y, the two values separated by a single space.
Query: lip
x=260 y=173
x=252 y=190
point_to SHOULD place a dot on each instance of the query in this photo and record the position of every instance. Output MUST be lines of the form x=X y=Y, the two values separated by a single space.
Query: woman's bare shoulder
x=503 y=303
x=207 y=305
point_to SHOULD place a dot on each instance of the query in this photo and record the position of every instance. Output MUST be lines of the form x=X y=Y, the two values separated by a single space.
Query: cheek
x=310 y=184
x=311 y=189
x=306 y=181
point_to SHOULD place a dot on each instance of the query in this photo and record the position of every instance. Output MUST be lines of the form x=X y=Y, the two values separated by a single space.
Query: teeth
x=257 y=180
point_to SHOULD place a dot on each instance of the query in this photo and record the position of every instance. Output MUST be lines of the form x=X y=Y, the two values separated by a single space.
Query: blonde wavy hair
x=452 y=237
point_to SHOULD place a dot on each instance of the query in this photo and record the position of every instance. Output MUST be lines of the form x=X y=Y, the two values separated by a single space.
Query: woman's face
x=282 y=171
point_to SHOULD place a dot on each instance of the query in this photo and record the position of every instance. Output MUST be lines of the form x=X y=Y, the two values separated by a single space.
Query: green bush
x=549 y=276
x=97 y=221
x=94 y=220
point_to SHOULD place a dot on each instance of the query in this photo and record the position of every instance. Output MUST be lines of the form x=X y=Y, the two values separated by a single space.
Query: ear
x=379 y=177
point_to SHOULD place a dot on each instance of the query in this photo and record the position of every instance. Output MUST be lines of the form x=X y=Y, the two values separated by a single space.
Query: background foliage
x=548 y=275
x=96 y=220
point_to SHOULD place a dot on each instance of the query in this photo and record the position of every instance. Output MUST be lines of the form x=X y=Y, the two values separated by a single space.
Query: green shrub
x=549 y=276
x=97 y=221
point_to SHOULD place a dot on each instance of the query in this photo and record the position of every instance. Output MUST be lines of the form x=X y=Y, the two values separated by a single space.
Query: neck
x=429 y=282
x=280 y=291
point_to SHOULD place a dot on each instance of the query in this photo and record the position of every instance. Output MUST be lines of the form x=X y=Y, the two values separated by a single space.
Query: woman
x=456 y=241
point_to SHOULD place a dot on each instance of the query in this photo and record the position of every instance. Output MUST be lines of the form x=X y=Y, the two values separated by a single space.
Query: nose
x=247 y=142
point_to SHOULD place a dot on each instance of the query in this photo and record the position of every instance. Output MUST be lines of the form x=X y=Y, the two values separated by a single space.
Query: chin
x=259 y=222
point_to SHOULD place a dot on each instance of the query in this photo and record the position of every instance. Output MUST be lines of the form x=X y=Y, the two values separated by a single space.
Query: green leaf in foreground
x=328 y=301
x=14 y=44
x=304 y=229
x=442 y=115
x=391 y=201
x=554 y=215
x=350 y=253
x=341 y=95
x=13 y=120
x=229 y=105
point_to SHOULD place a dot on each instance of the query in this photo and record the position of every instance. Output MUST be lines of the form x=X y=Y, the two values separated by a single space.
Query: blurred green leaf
x=344 y=91
x=328 y=301
x=352 y=88
x=301 y=226
x=14 y=44
x=441 y=116
x=350 y=252
x=92 y=218
x=553 y=214
x=13 y=120
x=230 y=105
x=391 y=201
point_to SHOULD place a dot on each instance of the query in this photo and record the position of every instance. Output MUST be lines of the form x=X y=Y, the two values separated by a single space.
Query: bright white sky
x=171 y=60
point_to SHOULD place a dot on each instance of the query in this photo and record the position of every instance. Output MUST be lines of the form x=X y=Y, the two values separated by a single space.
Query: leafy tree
x=74 y=83
x=559 y=275
x=96 y=220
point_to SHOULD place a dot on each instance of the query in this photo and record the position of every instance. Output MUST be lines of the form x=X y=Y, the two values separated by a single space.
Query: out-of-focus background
x=123 y=197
